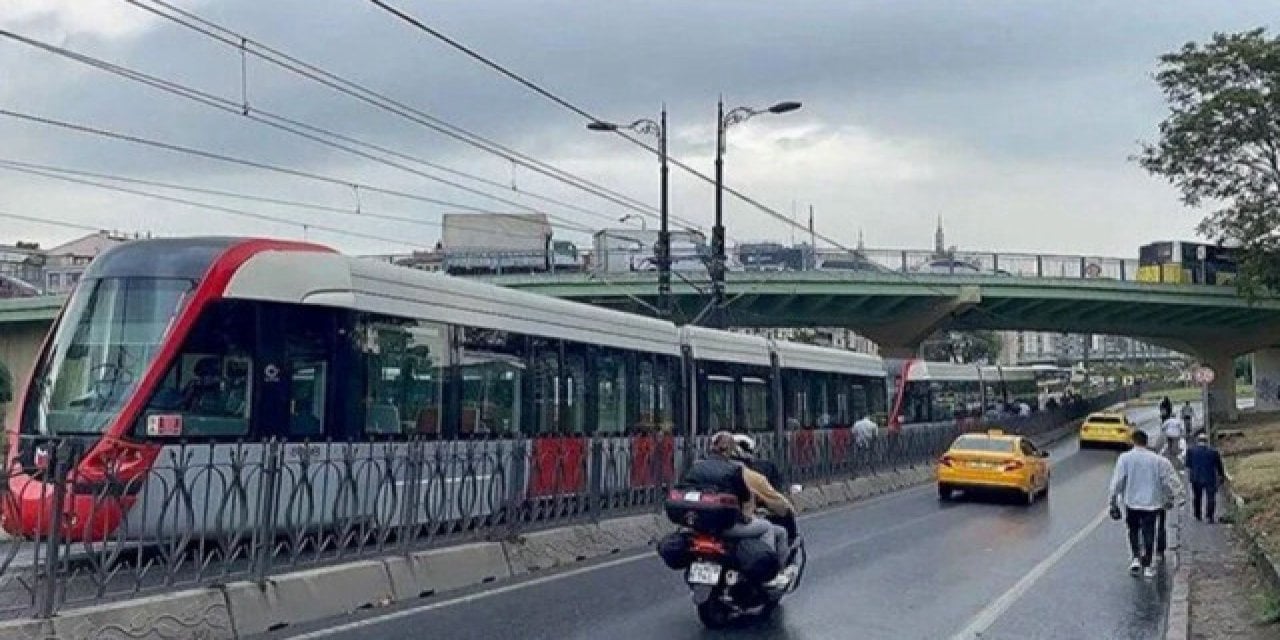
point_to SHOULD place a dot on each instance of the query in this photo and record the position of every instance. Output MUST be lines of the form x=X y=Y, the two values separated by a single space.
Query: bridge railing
x=84 y=528
x=988 y=263
x=694 y=263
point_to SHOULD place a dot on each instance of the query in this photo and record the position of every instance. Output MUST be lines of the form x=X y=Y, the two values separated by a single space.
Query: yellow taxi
x=994 y=461
x=1107 y=428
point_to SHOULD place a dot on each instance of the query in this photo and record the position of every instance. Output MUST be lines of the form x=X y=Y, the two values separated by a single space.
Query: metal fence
x=1037 y=265
x=210 y=513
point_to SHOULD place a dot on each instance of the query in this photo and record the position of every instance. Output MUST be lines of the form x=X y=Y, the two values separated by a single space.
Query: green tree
x=1220 y=144
x=962 y=346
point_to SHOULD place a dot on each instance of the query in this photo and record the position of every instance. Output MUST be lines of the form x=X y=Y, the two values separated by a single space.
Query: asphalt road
x=903 y=566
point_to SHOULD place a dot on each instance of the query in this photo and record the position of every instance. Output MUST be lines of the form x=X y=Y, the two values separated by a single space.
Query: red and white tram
x=233 y=343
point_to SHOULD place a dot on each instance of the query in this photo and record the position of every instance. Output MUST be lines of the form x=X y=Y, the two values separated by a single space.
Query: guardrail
x=1036 y=265
x=212 y=513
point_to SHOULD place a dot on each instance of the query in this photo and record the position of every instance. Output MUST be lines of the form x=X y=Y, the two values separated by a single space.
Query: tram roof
x=794 y=355
x=341 y=281
x=943 y=372
x=723 y=346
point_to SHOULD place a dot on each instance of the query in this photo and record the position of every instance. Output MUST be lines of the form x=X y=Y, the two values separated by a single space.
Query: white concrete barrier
x=427 y=573
x=302 y=596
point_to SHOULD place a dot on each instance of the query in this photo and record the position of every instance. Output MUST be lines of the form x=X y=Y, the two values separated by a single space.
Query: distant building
x=26 y=269
x=1039 y=347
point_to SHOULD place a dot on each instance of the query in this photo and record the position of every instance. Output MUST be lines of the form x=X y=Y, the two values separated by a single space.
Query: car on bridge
x=994 y=461
x=1107 y=429
x=956 y=266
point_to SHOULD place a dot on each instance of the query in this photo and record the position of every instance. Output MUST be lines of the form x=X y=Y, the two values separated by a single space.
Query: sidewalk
x=1227 y=594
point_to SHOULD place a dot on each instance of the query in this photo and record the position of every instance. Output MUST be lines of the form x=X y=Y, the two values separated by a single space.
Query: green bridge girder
x=1186 y=317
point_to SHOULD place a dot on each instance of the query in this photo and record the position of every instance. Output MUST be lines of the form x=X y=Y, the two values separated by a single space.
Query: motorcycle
x=722 y=589
x=723 y=593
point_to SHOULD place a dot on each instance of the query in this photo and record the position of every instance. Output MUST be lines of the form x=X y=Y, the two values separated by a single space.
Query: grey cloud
x=1001 y=84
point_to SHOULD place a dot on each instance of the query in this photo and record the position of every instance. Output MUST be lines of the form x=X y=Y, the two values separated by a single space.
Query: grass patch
x=1267 y=606
x=1251 y=448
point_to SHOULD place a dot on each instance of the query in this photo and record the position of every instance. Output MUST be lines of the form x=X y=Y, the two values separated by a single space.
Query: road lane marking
x=988 y=616
x=480 y=595
x=471 y=597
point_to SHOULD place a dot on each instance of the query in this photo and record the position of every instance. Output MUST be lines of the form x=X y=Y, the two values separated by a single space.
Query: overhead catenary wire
x=562 y=102
x=310 y=132
x=363 y=212
x=49 y=221
x=177 y=148
x=244 y=44
x=219 y=208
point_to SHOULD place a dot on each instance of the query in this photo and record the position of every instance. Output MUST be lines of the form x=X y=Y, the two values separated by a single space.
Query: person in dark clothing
x=1166 y=408
x=1204 y=466
x=723 y=471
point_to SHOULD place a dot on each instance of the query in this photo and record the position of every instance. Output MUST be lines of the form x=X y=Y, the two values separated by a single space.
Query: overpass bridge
x=896 y=309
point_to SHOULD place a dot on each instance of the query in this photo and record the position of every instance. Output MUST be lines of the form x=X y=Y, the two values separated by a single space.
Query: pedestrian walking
x=1204 y=468
x=1188 y=416
x=1142 y=484
x=1166 y=408
x=864 y=431
x=1172 y=430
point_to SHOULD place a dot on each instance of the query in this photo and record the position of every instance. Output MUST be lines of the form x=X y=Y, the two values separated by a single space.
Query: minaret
x=861 y=245
x=939 y=240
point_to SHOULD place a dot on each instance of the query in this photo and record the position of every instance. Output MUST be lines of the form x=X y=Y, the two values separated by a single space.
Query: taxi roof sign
x=995 y=432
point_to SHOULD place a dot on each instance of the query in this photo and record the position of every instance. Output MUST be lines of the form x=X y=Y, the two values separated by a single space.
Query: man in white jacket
x=1143 y=483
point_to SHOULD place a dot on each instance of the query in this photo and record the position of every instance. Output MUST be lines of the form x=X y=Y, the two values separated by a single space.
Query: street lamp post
x=715 y=317
x=662 y=249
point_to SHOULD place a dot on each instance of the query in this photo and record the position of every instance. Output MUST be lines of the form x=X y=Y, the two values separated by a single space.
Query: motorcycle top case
x=703 y=511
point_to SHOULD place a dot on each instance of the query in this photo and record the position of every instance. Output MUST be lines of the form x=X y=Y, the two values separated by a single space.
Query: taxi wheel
x=944 y=492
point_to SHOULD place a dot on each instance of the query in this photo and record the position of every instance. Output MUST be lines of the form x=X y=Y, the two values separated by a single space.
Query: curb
x=1178 y=623
x=242 y=609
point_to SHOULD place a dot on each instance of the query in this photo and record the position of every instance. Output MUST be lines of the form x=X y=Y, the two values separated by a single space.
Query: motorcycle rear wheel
x=714 y=614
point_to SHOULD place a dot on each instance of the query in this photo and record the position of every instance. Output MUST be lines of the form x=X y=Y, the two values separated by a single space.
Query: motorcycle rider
x=747 y=455
x=722 y=471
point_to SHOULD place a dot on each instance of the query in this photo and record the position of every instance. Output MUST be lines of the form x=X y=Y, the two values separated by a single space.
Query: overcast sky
x=1013 y=120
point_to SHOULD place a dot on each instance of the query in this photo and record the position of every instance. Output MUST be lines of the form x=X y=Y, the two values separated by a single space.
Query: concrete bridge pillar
x=1222 y=392
x=1266 y=379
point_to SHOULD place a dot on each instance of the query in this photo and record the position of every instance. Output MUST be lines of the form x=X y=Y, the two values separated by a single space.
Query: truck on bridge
x=483 y=243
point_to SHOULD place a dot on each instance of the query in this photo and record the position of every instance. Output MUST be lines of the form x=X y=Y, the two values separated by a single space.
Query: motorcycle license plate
x=704 y=573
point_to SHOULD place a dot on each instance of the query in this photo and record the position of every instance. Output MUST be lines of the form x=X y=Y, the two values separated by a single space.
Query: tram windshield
x=108 y=336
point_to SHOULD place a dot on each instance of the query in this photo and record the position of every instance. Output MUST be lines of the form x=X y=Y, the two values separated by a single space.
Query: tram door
x=297 y=406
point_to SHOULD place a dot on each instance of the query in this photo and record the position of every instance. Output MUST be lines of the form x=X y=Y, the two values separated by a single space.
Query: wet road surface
x=903 y=566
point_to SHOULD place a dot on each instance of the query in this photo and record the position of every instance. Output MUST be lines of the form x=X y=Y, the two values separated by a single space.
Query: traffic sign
x=1203 y=376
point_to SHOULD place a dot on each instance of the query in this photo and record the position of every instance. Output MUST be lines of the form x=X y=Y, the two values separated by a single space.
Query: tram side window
x=611 y=392
x=545 y=369
x=207 y=392
x=492 y=371
x=655 y=400
x=405 y=365
x=666 y=375
x=877 y=397
x=918 y=406
x=795 y=399
x=719 y=403
x=755 y=404
x=574 y=399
